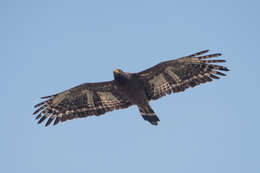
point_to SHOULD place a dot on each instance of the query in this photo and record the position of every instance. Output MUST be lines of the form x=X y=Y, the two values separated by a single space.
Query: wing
x=177 y=75
x=81 y=101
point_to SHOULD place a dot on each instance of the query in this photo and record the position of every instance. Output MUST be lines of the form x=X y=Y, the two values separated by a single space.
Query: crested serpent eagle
x=130 y=89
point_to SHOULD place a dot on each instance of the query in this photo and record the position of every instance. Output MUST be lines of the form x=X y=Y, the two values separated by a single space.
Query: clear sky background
x=49 y=46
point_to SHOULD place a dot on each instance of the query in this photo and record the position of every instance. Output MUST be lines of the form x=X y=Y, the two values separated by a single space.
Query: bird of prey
x=129 y=89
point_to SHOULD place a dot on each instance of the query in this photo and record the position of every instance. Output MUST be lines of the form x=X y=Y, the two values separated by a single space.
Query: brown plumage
x=130 y=89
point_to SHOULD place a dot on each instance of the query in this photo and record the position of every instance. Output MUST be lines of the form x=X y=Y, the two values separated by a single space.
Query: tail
x=148 y=114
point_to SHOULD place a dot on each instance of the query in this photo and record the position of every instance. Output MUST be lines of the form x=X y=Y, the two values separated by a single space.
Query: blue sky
x=49 y=46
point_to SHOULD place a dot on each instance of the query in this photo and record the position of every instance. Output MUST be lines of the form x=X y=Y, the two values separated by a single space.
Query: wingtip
x=35 y=112
x=199 y=53
x=39 y=104
x=38 y=116
x=49 y=122
x=57 y=120
x=224 y=68
x=45 y=97
x=204 y=51
x=42 y=119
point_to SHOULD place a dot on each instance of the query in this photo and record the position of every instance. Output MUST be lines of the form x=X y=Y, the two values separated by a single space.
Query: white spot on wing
x=173 y=75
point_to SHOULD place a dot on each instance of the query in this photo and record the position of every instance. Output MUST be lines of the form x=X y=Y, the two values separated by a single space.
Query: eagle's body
x=134 y=89
x=128 y=84
x=130 y=89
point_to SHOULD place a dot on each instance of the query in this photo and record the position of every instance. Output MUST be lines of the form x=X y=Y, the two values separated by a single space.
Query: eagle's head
x=117 y=72
x=120 y=76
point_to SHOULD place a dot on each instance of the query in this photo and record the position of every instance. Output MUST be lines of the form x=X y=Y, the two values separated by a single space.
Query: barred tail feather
x=148 y=114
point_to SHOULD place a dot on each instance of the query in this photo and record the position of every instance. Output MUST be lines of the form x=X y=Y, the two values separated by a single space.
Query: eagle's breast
x=131 y=86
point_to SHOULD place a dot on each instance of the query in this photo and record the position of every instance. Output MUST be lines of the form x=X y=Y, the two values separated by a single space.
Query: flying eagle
x=130 y=89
